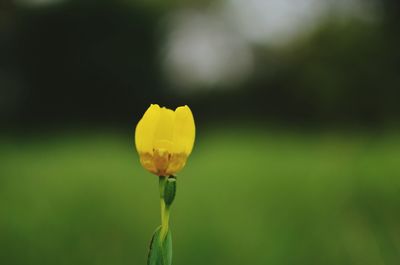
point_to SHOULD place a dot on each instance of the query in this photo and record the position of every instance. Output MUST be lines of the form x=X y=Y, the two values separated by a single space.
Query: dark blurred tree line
x=98 y=62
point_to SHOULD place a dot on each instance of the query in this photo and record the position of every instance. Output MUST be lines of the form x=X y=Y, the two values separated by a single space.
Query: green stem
x=164 y=210
x=165 y=224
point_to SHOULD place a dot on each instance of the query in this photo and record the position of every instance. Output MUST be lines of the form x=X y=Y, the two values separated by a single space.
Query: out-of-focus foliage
x=346 y=71
x=245 y=197
x=99 y=61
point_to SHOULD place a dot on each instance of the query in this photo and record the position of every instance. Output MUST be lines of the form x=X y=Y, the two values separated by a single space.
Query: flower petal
x=146 y=129
x=164 y=131
x=184 y=131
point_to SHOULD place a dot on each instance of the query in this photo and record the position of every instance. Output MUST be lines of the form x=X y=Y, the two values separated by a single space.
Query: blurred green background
x=297 y=155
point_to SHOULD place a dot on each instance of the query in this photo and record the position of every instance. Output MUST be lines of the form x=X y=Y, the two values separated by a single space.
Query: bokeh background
x=297 y=156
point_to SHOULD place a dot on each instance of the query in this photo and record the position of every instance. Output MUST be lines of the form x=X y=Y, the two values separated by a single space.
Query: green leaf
x=167 y=249
x=160 y=253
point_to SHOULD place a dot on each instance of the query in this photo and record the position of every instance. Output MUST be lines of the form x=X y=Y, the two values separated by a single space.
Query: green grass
x=245 y=197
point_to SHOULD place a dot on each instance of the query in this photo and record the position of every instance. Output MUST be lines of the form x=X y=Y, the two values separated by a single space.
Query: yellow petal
x=164 y=130
x=176 y=163
x=146 y=129
x=184 y=131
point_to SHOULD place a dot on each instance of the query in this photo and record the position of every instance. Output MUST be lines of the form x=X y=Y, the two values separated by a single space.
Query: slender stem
x=165 y=224
x=164 y=210
x=162 y=207
x=162 y=203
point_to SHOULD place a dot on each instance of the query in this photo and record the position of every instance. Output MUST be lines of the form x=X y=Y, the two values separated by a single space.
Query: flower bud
x=169 y=190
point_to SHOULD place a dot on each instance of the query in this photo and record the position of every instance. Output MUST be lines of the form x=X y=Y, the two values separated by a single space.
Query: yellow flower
x=164 y=139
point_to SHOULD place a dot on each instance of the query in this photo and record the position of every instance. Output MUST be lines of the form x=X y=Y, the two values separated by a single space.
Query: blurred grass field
x=245 y=197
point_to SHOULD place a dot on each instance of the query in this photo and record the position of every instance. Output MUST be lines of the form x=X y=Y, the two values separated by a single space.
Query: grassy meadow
x=246 y=196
